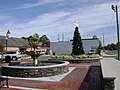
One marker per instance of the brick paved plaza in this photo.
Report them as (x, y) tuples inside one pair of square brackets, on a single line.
[(83, 77)]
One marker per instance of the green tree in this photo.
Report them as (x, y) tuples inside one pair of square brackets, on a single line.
[(44, 39), (77, 43), (24, 38), (111, 47), (34, 43)]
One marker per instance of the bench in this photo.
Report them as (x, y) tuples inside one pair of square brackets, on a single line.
[(109, 83), (4, 79), (108, 76)]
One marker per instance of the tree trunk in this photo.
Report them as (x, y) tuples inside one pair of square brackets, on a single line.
[(35, 62)]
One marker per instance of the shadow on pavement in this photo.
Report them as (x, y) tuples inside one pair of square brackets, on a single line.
[(93, 79)]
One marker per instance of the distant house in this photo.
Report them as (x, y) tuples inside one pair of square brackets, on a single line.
[(91, 44), (65, 47), (13, 43)]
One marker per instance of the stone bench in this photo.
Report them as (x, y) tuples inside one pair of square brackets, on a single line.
[(3, 79), (108, 77), (109, 83)]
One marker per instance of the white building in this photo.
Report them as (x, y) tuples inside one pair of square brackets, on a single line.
[(65, 47)]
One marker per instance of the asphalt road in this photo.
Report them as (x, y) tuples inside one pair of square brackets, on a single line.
[(114, 51)]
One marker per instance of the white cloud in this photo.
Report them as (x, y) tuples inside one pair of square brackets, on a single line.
[(38, 3), (94, 18), (51, 1), (44, 24), (49, 18), (110, 38), (3, 18), (90, 19)]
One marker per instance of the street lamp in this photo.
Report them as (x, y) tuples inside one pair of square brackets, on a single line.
[(7, 36), (115, 8)]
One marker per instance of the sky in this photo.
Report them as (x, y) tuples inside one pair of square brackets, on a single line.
[(52, 17)]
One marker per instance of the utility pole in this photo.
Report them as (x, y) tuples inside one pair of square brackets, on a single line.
[(115, 8), (103, 41), (68, 39), (62, 37)]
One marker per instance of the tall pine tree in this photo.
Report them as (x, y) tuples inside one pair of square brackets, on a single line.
[(77, 43)]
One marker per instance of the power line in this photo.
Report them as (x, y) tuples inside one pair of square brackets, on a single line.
[(118, 1), (113, 16), (98, 11), (111, 22)]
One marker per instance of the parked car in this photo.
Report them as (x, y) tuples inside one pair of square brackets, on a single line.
[(14, 55), (0, 56), (92, 51)]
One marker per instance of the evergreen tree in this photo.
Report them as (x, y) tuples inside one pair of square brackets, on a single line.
[(77, 43)]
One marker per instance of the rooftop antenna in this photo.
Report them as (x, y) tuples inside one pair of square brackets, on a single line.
[(68, 39), (62, 37), (58, 38)]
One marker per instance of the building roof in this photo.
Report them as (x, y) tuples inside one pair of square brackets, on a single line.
[(14, 42), (66, 46), (89, 39)]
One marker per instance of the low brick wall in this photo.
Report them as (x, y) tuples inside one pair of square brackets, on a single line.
[(84, 60), (37, 71)]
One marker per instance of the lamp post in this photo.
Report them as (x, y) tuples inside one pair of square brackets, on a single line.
[(6, 43), (115, 8), (7, 36)]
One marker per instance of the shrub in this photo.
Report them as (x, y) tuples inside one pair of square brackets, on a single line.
[(75, 56), (82, 56)]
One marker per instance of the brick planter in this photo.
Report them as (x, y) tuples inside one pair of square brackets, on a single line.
[(59, 67)]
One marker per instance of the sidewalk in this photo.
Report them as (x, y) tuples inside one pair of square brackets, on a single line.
[(111, 67)]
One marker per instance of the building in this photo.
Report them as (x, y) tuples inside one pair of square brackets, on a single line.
[(12, 43), (65, 47)]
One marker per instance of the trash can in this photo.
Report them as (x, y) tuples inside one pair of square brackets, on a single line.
[(7, 59)]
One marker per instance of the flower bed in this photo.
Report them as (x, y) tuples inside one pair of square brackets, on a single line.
[(77, 58)]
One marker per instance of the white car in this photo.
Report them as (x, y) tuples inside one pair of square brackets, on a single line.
[(14, 55), (92, 51), (0, 56)]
